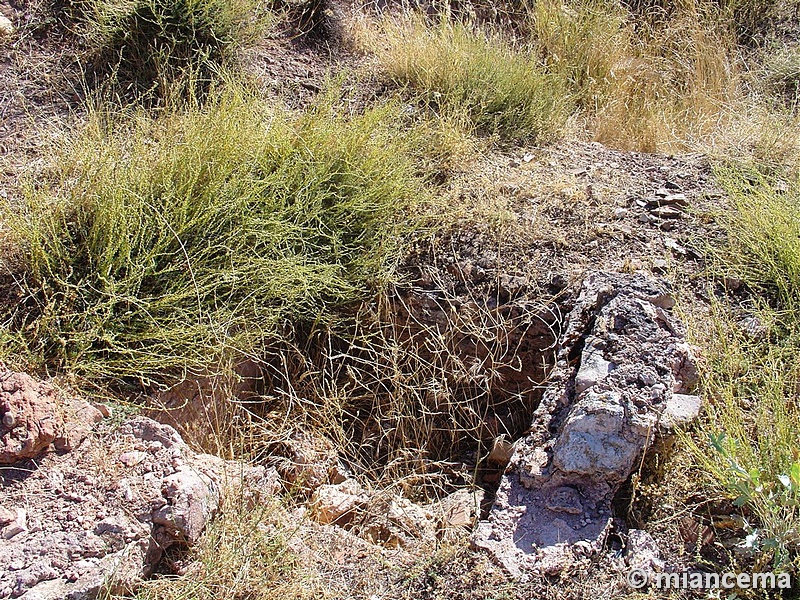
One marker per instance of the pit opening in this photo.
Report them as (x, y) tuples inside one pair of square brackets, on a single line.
[(413, 390)]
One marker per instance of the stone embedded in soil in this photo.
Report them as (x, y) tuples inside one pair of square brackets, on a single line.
[(93, 524), (194, 501), (19, 524), (598, 414), (459, 509), (666, 198), (667, 212), (33, 415), (310, 461), (642, 552), (30, 417), (132, 458), (680, 410), (396, 522), (335, 503), (6, 27)]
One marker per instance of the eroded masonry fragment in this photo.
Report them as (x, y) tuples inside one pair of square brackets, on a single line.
[(624, 373)]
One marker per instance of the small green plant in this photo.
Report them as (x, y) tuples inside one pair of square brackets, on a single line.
[(764, 234), (157, 49), (165, 245), (776, 503)]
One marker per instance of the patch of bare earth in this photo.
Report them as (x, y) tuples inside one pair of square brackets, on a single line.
[(41, 87)]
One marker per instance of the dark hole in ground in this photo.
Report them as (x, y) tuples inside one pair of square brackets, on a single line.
[(415, 387)]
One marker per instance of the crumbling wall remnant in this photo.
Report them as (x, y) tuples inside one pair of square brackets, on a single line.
[(624, 373)]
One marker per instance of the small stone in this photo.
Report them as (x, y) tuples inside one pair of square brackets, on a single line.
[(461, 508), (336, 503), (672, 244), (87, 413), (642, 552), (104, 409), (34, 409), (7, 516), (657, 391), (667, 212), (659, 265), (620, 213), (6, 27), (193, 501), (667, 226), (132, 458), (753, 328), (664, 197), (17, 526), (648, 377), (681, 409), (126, 491), (594, 368), (675, 200), (501, 452)]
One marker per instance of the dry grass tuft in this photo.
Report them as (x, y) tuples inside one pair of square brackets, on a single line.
[(459, 71)]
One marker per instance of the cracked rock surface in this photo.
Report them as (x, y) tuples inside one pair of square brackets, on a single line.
[(98, 515), (624, 373)]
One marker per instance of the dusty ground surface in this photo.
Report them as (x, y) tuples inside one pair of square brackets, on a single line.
[(529, 224), (40, 83)]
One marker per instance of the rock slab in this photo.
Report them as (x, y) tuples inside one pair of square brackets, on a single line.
[(624, 373)]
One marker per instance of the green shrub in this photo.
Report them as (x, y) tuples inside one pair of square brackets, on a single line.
[(764, 236), (159, 48), (460, 71), (167, 245)]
